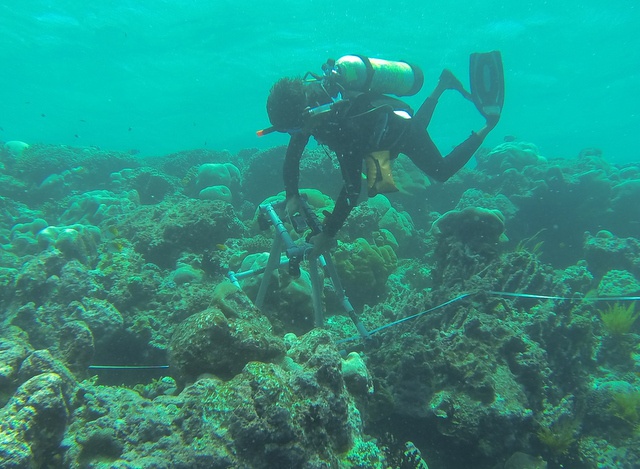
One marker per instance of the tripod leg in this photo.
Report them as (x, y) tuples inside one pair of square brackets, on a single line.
[(272, 264), (346, 304), (316, 292)]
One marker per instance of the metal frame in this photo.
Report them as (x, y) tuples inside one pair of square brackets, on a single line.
[(294, 254)]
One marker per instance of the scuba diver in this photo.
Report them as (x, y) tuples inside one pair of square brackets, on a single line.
[(348, 110)]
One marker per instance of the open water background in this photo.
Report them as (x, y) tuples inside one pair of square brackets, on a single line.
[(159, 76)]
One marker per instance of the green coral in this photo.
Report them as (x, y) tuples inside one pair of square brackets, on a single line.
[(364, 263), (364, 269), (618, 318), (364, 455)]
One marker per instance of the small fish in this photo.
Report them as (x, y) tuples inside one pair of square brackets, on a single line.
[(115, 246), (510, 138), (43, 115), (221, 247)]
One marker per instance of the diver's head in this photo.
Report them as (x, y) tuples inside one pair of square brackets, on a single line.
[(286, 104)]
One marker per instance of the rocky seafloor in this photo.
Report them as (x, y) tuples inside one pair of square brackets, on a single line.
[(113, 259)]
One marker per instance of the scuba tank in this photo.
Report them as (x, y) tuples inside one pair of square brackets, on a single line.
[(360, 73)]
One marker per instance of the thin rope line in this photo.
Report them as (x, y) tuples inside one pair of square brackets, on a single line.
[(493, 293), (128, 367)]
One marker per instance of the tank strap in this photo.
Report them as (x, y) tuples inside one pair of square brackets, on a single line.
[(370, 71)]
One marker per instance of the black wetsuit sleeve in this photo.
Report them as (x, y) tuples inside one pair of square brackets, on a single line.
[(348, 198), (291, 169), (336, 219)]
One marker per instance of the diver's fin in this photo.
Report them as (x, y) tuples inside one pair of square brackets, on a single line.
[(487, 82)]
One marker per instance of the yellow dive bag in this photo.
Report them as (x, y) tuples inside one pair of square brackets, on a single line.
[(379, 177)]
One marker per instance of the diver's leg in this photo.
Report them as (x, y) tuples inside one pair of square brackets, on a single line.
[(447, 81), (425, 154)]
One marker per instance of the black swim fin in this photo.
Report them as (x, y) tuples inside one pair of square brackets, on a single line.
[(486, 76)]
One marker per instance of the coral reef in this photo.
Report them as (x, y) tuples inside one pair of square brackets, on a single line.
[(161, 233), (295, 414), (486, 352), (222, 344), (364, 269), (467, 240)]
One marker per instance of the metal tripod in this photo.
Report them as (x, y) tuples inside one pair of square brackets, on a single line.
[(295, 253)]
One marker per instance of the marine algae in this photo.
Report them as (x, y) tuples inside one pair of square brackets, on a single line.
[(559, 436), (626, 406), (618, 319)]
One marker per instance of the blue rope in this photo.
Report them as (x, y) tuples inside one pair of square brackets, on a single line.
[(128, 367), (417, 315), (492, 293), (563, 298)]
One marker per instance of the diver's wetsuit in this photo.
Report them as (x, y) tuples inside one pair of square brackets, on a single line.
[(361, 124)]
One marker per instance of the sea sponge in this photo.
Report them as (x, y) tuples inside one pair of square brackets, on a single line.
[(364, 269), (15, 148), (291, 296), (618, 283), (186, 274), (218, 192), (217, 174), (380, 203), (385, 238), (625, 196), (319, 202), (75, 241), (23, 237), (211, 342), (356, 375), (399, 224), (95, 206), (471, 225), (516, 155)]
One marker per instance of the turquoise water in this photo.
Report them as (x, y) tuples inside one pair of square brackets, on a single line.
[(163, 76)]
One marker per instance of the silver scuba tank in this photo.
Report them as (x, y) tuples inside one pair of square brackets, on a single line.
[(360, 73)]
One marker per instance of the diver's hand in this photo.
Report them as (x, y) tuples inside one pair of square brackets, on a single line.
[(322, 242), (293, 206)]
